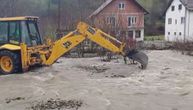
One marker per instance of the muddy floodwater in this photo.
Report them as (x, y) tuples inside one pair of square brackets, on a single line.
[(90, 84)]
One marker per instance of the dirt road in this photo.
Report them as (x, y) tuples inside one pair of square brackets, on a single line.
[(167, 84)]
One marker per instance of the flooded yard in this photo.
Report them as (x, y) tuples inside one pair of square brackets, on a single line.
[(90, 84)]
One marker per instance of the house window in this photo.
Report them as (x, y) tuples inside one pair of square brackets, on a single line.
[(111, 20), (121, 6), (180, 33), (132, 20), (130, 34), (182, 20), (169, 20), (180, 7), (138, 34), (173, 8)]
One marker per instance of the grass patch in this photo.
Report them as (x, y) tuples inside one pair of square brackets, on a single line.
[(154, 38)]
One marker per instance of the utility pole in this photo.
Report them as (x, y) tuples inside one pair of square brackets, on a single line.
[(49, 5), (58, 31), (59, 13), (80, 9), (81, 46)]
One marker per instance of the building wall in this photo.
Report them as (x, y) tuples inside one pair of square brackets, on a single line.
[(171, 29), (189, 25), (121, 16)]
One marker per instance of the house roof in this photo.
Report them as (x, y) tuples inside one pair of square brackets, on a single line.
[(187, 3), (110, 1)]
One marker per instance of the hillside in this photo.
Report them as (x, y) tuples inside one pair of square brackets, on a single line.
[(73, 11), (154, 22)]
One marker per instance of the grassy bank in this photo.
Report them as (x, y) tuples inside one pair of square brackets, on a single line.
[(154, 38)]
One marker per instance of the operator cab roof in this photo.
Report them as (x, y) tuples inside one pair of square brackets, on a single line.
[(22, 18)]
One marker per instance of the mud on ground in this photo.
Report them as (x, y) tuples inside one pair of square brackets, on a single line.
[(90, 84)]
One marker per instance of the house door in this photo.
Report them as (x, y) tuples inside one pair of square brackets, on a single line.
[(130, 41), (130, 34)]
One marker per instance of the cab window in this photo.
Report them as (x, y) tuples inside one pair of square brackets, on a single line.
[(25, 35), (14, 32), (3, 32), (34, 33)]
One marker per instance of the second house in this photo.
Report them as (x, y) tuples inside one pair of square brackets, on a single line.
[(121, 18)]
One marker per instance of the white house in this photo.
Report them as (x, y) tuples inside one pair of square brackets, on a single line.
[(179, 20)]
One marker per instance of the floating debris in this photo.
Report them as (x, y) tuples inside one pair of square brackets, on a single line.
[(14, 99), (57, 104), (94, 69)]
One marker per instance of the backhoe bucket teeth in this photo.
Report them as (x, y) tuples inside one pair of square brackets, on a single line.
[(140, 57)]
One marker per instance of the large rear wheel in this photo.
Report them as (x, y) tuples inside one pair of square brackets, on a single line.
[(10, 62), (140, 57)]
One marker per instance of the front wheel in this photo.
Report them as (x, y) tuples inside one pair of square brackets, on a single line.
[(10, 62)]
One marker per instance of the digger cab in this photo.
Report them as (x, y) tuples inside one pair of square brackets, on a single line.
[(16, 30)]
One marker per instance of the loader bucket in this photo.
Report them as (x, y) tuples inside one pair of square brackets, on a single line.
[(139, 57)]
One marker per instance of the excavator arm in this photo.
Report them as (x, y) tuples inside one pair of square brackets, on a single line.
[(84, 31), (64, 45), (101, 38), (112, 44)]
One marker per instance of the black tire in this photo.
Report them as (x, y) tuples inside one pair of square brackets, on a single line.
[(16, 61), (142, 58)]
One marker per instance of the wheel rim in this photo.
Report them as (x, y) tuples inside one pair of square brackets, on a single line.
[(6, 64)]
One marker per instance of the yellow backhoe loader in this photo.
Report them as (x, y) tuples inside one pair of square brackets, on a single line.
[(22, 47)]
